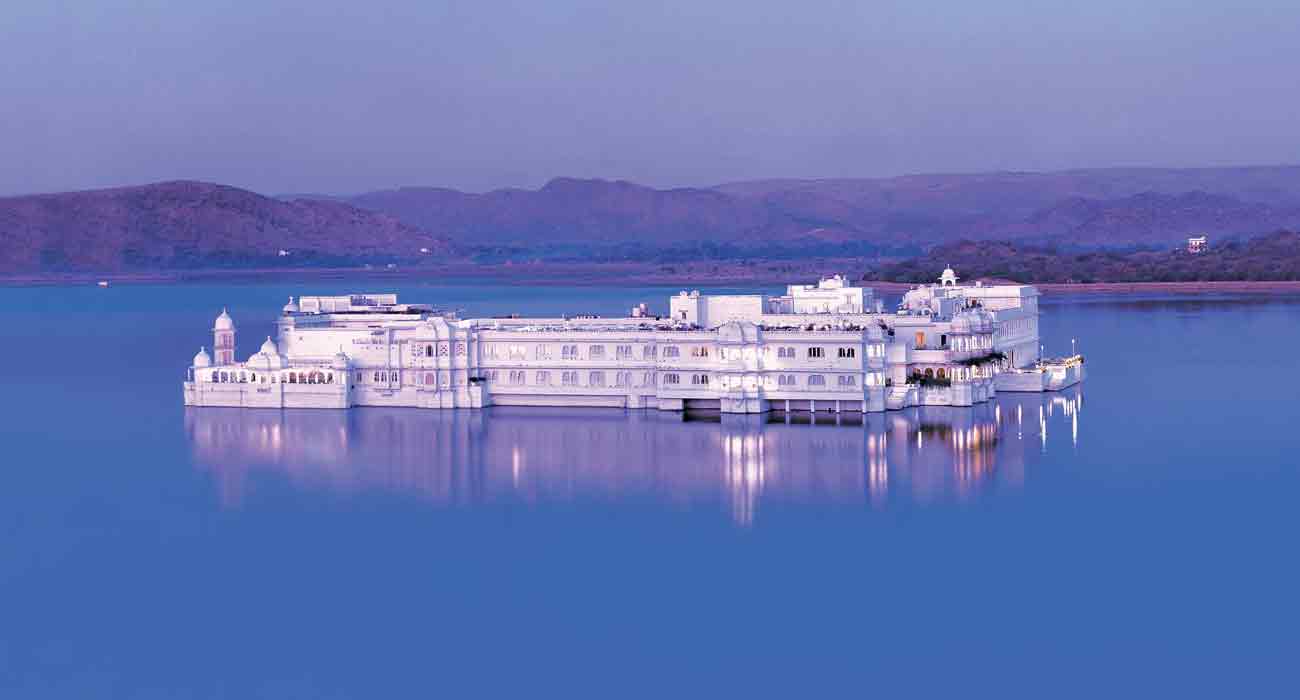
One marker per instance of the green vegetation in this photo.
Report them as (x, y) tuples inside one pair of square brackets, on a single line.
[(928, 381), (1273, 257)]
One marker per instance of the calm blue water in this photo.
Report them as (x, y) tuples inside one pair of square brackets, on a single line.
[(1134, 537)]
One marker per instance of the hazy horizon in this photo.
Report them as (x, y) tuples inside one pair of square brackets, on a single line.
[(288, 96)]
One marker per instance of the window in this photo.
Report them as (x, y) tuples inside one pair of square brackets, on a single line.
[(293, 377), (392, 376), (429, 379), (814, 353), (569, 352), (544, 378), (648, 379), (596, 378), (460, 348), (623, 379), (542, 352), (816, 380), (569, 378), (929, 372), (943, 341), (700, 379), (596, 352), (648, 352), (517, 377), (379, 377), (623, 352), (785, 380), (940, 373), (700, 351), (442, 349), (428, 351), (672, 378), (848, 353), (848, 380), (672, 351), (920, 339)]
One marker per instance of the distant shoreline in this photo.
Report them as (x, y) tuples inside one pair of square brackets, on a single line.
[(618, 274)]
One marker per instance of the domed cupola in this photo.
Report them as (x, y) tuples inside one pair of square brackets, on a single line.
[(202, 359), (268, 358), (224, 322), (948, 278), (291, 307), (340, 361)]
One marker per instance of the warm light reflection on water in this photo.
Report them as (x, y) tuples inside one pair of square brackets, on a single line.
[(740, 463)]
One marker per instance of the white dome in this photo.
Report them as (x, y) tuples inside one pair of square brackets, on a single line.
[(202, 359), (341, 361), (268, 358), (291, 307), (224, 322)]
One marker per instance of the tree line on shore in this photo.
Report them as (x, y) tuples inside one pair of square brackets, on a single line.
[(1271, 257)]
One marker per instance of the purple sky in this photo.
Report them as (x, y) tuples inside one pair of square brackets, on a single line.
[(333, 96)]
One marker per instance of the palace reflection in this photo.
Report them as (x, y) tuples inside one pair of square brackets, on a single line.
[(739, 463)]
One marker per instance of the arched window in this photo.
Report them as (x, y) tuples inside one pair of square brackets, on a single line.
[(940, 374), (379, 377), (929, 373), (329, 378), (392, 376), (293, 377), (816, 380)]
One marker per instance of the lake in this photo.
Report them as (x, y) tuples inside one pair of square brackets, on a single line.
[(1133, 536)]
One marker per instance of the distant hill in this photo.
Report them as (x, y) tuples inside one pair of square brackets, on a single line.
[(194, 224), (1109, 207), (1271, 257)]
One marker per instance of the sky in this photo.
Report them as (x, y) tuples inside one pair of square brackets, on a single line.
[(328, 96)]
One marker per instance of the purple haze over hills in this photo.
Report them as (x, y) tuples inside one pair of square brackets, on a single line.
[(1099, 207), (198, 224)]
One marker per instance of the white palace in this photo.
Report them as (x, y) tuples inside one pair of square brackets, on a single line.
[(824, 347)]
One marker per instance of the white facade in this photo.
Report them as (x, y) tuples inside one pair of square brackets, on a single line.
[(817, 348)]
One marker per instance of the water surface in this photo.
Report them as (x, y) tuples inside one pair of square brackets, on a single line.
[(1132, 536)]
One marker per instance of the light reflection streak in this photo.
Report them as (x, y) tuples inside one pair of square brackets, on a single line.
[(744, 464)]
